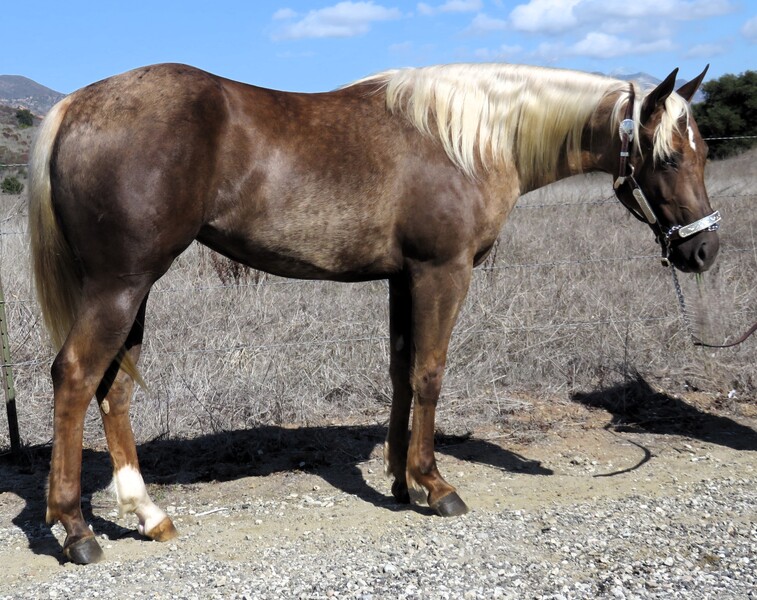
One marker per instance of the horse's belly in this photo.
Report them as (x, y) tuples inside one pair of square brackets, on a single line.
[(341, 253)]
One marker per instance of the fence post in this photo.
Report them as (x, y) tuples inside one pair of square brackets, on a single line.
[(7, 378)]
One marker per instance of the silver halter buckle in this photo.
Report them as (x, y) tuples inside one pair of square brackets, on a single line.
[(626, 128)]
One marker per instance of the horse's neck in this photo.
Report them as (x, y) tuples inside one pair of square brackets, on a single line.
[(599, 150)]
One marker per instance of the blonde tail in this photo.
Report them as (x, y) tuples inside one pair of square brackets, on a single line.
[(56, 278)]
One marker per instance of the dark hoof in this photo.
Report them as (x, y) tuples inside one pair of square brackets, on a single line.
[(400, 493), (450, 505), (84, 552)]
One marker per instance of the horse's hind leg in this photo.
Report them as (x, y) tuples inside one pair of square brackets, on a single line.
[(114, 397), (104, 320)]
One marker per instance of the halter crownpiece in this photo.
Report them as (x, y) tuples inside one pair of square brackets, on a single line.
[(626, 175)]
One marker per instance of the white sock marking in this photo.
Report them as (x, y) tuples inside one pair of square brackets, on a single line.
[(132, 496)]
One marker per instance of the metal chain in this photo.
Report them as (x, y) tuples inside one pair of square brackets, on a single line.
[(682, 305)]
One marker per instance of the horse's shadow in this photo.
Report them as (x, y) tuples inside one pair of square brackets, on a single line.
[(636, 407), (333, 453)]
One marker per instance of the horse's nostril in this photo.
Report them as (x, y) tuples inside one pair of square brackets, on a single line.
[(702, 254), (705, 254)]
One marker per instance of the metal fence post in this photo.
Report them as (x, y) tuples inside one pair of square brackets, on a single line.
[(7, 379)]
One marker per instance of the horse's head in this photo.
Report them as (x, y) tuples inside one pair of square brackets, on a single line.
[(662, 179)]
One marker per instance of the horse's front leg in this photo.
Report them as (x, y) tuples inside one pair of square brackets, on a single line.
[(114, 396), (400, 362), (437, 296)]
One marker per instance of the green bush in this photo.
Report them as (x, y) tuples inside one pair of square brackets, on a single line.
[(11, 185), (25, 117)]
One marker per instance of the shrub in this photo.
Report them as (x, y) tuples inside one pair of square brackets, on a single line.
[(11, 185), (25, 117), (730, 110)]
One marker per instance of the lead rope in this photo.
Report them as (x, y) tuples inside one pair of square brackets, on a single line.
[(690, 328)]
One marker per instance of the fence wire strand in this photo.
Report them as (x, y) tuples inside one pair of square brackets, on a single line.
[(384, 339)]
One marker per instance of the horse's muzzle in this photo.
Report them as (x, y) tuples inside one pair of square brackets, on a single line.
[(696, 254)]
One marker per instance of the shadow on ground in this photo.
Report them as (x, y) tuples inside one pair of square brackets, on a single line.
[(636, 407), (331, 452)]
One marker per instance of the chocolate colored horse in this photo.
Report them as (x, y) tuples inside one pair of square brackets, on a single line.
[(407, 175)]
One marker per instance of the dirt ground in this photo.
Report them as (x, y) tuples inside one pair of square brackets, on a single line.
[(274, 482)]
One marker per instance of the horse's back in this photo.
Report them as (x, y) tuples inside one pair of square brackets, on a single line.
[(303, 185)]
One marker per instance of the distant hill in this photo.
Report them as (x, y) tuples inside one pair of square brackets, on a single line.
[(645, 80), (20, 92)]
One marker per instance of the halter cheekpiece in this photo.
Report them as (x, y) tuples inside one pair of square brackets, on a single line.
[(645, 212)]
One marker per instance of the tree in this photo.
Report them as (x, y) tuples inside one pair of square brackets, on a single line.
[(729, 110), (25, 117)]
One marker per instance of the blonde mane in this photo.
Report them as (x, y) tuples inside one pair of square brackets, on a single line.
[(487, 115)]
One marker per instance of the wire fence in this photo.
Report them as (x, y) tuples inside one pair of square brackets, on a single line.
[(749, 197), (557, 326)]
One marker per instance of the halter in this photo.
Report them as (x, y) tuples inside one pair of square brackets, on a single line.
[(647, 214)]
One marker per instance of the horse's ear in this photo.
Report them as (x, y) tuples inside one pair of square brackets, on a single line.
[(687, 90), (657, 96)]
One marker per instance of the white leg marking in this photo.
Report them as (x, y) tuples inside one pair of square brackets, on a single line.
[(132, 496), (692, 143)]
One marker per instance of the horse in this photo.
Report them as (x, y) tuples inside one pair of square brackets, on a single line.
[(407, 175)]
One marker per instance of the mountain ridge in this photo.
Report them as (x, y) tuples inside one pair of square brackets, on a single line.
[(18, 91)]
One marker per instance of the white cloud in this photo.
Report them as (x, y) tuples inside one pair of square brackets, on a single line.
[(704, 51), (549, 52), (284, 13), (482, 24), (749, 30), (554, 16), (461, 6), (544, 16), (345, 19), (451, 6), (680, 10), (603, 45), (701, 9)]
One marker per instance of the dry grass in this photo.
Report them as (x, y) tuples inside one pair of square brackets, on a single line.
[(561, 310)]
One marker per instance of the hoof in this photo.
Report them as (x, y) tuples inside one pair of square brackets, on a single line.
[(85, 551), (163, 531), (400, 493), (450, 505)]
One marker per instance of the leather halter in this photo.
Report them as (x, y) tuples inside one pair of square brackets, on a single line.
[(645, 212)]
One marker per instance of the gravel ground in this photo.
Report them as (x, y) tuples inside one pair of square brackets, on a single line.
[(677, 518)]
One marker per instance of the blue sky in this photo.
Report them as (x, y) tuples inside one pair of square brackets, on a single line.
[(315, 46)]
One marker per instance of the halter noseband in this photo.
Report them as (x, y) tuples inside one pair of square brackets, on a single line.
[(647, 214)]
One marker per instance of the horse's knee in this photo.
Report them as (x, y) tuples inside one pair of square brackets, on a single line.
[(427, 383)]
